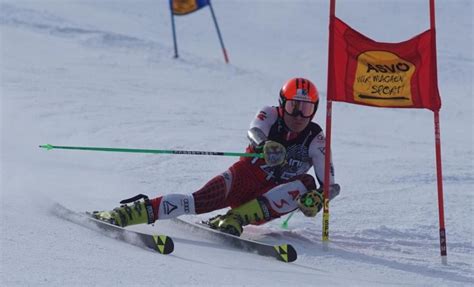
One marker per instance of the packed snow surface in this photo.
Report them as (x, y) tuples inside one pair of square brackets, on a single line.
[(102, 73)]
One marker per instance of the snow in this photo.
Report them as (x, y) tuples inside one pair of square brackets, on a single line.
[(101, 73)]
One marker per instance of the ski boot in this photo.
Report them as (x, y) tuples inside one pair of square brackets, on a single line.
[(252, 212), (139, 212)]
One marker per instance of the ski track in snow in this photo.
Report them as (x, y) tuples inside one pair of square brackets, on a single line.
[(96, 83)]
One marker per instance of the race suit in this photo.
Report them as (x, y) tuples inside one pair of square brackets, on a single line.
[(251, 178)]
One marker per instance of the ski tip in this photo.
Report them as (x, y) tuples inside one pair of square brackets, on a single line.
[(163, 244), (286, 253)]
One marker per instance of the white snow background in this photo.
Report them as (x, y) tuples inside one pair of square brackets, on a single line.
[(102, 73)]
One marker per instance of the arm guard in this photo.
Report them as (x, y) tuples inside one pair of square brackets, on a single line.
[(257, 137)]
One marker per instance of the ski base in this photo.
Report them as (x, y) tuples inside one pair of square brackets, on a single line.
[(283, 252)]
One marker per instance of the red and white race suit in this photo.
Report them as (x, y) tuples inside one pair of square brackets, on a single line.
[(251, 178)]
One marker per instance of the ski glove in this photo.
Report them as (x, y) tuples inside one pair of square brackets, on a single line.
[(310, 203), (274, 153)]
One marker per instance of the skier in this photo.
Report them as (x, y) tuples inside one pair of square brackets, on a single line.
[(257, 189)]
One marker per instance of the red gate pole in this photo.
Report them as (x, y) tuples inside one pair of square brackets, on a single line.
[(327, 162), (439, 173)]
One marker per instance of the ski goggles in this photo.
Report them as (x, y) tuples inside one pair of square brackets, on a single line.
[(303, 109)]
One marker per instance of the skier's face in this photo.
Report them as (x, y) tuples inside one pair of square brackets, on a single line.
[(296, 123), (298, 114)]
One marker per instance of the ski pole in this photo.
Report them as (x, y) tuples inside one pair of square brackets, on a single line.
[(284, 225), (155, 151)]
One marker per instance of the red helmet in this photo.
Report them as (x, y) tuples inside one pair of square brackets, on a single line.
[(299, 90)]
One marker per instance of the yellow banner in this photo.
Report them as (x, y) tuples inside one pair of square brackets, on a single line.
[(383, 79)]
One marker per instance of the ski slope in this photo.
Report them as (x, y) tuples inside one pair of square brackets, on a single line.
[(101, 73)]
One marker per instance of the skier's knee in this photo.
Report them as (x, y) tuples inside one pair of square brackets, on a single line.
[(307, 180)]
